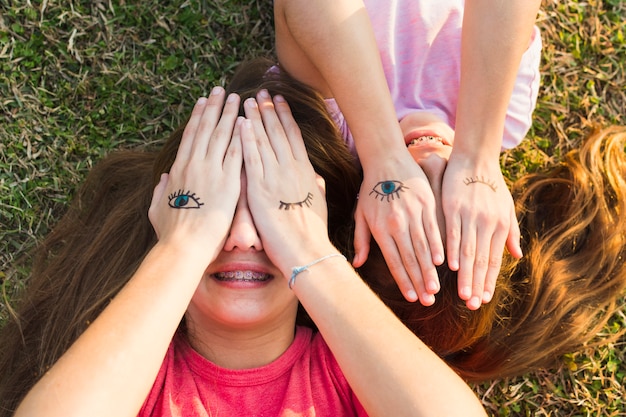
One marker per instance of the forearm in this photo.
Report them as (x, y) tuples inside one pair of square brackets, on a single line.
[(336, 38), (389, 368), (110, 369), (495, 35)]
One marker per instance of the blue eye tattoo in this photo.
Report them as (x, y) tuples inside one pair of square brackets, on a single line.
[(306, 201), (184, 200), (389, 189), (481, 180)]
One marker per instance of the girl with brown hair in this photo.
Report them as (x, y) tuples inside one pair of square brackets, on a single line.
[(198, 316)]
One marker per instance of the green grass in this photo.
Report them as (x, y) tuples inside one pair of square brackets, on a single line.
[(81, 78)]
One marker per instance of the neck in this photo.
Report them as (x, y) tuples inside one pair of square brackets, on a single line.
[(242, 348)]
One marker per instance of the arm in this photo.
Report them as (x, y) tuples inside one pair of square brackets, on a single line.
[(480, 217), (110, 369), (389, 368), (330, 45)]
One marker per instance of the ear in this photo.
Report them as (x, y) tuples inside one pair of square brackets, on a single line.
[(321, 184)]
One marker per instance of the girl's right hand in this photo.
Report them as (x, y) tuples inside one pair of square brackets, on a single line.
[(195, 203)]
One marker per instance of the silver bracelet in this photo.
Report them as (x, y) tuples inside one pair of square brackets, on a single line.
[(297, 269)]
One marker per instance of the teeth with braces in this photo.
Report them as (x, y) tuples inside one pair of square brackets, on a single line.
[(242, 275), (427, 138)]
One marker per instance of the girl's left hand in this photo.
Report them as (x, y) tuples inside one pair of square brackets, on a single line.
[(480, 219), (285, 196)]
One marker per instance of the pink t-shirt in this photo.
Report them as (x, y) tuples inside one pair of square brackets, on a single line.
[(420, 48), (304, 381)]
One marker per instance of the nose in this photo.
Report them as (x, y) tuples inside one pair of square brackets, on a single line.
[(243, 234)]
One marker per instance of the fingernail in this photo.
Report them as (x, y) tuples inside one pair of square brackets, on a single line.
[(474, 303), (465, 293), (231, 97), (217, 90), (438, 260), (411, 295), (428, 299), (279, 99), (251, 102), (486, 297), (201, 101), (432, 287), (264, 94)]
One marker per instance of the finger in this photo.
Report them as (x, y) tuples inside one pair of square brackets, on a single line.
[(396, 267), (466, 261), (217, 138), (157, 195), (453, 240), (273, 127), (480, 268), (291, 128), (418, 264), (186, 142), (427, 277), (362, 237), (251, 155), (233, 159), (263, 146), (209, 118), (513, 242), (433, 236), (495, 262)]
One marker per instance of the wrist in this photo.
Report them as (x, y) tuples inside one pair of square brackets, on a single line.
[(478, 141), (303, 257), (381, 148), (389, 164), (196, 254), (474, 160)]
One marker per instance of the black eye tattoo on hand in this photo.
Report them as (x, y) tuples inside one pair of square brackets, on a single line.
[(306, 201), (389, 190), (481, 180), (184, 200)]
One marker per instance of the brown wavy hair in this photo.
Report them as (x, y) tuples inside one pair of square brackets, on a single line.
[(561, 294), (552, 301)]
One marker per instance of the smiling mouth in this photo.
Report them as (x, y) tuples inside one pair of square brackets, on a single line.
[(242, 276), (426, 139)]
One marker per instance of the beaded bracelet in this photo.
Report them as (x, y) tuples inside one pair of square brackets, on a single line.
[(297, 269)]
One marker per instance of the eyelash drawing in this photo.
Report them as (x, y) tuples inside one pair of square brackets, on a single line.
[(184, 200), (481, 180), (389, 189), (306, 201)]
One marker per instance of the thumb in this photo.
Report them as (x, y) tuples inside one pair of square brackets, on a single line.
[(513, 239), (157, 194), (362, 237)]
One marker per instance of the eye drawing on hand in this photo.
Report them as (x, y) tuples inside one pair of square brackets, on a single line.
[(306, 201), (184, 200), (389, 189), (481, 180)]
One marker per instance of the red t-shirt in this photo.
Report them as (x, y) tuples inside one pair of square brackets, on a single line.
[(304, 381)]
